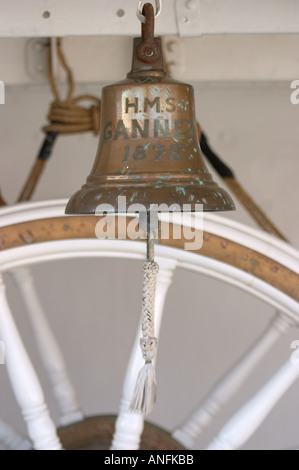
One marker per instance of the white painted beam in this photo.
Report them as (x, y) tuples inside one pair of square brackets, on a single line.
[(43, 18), (30, 18), (197, 17), (228, 58)]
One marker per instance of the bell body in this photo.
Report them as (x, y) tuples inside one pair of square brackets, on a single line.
[(149, 150)]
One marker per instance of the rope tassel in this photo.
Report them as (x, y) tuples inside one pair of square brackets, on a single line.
[(145, 392)]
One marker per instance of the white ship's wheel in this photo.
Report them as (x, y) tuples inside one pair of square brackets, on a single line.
[(267, 268)]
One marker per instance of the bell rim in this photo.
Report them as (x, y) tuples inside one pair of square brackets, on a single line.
[(87, 200)]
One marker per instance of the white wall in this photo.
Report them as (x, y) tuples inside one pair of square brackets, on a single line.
[(93, 306)]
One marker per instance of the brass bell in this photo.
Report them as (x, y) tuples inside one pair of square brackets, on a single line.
[(149, 150)]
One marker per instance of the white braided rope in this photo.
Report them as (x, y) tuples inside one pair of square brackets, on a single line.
[(149, 342), (145, 391)]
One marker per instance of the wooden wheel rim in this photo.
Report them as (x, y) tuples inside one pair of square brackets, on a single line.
[(96, 433), (250, 259), (219, 248)]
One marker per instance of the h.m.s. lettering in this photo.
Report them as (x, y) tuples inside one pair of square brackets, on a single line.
[(156, 128)]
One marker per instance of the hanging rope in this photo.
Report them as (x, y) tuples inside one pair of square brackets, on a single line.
[(145, 392), (68, 116), (2, 202), (235, 186)]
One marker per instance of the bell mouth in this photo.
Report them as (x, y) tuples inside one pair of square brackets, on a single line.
[(93, 199)]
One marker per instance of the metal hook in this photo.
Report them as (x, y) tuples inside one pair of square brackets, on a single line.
[(141, 4), (149, 51)]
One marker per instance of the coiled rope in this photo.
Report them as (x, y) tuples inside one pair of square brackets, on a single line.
[(68, 116)]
